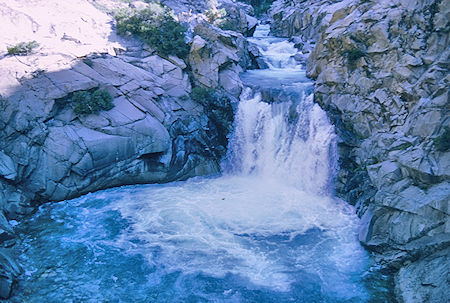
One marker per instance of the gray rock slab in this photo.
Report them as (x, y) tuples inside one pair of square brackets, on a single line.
[(7, 167)]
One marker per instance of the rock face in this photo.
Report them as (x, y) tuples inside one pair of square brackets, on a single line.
[(217, 58), (154, 133), (382, 73), (424, 280), (229, 14)]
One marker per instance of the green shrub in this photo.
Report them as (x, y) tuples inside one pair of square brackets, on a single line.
[(155, 26), (442, 142), (354, 55), (214, 14), (22, 48), (86, 102), (202, 95), (218, 18)]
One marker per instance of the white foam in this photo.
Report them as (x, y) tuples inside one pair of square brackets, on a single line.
[(291, 141), (278, 55), (262, 30), (213, 226)]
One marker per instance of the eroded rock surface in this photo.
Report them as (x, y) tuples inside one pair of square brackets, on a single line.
[(154, 133), (382, 73)]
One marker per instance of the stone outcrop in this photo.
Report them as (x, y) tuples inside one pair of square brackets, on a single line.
[(154, 133), (217, 57), (228, 14), (382, 73), (240, 17)]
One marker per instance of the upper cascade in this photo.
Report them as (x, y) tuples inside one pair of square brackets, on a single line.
[(278, 53)]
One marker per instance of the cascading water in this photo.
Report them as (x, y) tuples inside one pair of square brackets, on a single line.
[(290, 139), (267, 230)]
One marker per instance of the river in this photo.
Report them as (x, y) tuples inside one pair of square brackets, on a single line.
[(268, 229)]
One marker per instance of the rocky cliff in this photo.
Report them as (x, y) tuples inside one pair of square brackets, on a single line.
[(154, 133), (382, 74)]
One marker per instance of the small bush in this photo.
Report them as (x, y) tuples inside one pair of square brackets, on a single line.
[(442, 142), (86, 102), (155, 26), (202, 95), (218, 18), (22, 48), (354, 54), (214, 14)]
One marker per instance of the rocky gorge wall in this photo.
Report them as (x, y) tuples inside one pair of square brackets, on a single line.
[(154, 133), (381, 70), (382, 74)]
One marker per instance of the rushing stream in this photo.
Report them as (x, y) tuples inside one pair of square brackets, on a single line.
[(267, 230)]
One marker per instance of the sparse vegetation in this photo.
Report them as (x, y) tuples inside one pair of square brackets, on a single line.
[(91, 102), (442, 142), (202, 95), (213, 14), (353, 55), (22, 48), (155, 26), (218, 18), (214, 101), (218, 108)]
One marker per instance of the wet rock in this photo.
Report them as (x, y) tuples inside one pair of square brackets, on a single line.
[(257, 62), (7, 234), (9, 269), (17, 203)]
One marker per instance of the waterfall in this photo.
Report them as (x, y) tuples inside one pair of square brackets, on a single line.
[(289, 139)]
